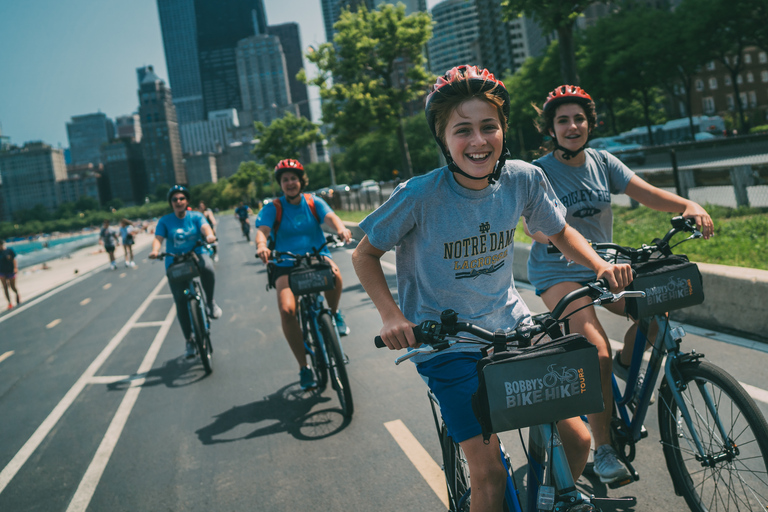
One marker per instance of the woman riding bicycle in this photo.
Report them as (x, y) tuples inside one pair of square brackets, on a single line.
[(181, 230), (453, 231), (299, 231), (584, 180)]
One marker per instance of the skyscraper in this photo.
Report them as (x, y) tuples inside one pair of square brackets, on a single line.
[(263, 80), (290, 40), (179, 27), (454, 36), (86, 134), (200, 37), (161, 143)]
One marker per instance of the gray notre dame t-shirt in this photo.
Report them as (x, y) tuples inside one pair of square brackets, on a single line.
[(585, 191), (454, 246)]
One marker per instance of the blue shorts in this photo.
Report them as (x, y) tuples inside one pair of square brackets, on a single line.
[(7, 275), (453, 379)]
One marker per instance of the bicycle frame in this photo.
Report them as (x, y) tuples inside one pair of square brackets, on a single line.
[(312, 305), (667, 342)]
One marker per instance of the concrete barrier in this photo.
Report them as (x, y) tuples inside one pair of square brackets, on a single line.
[(735, 297)]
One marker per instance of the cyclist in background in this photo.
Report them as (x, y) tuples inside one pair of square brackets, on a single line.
[(584, 180), (211, 218), (453, 232), (298, 232), (181, 231), (241, 213)]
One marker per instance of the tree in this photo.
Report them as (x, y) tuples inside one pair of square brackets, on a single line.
[(727, 23), (554, 15), (373, 68), (284, 138)]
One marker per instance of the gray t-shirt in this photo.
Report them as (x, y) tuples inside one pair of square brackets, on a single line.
[(454, 246), (585, 191)]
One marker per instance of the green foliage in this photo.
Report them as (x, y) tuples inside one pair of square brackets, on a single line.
[(356, 72), (284, 138), (375, 155)]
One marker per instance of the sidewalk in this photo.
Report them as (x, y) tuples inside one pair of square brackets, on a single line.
[(36, 280)]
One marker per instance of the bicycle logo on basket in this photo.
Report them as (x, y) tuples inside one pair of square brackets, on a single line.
[(552, 378)]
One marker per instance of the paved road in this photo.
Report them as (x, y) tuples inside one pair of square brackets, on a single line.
[(100, 412)]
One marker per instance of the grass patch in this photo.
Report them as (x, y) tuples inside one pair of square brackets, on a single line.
[(353, 216)]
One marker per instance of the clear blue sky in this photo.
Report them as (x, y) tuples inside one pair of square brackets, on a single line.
[(64, 58)]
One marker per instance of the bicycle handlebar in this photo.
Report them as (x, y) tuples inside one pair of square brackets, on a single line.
[(330, 241), (432, 335), (199, 243)]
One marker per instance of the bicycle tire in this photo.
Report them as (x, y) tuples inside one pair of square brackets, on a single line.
[(337, 367), (201, 337), (456, 473), (740, 480), (313, 341)]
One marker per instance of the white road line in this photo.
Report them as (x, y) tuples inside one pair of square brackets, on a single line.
[(756, 393), (6, 355), (108, 379), (419, 457), (85, 301), (149, 324), (13, 467), (164, 296), (87, 487), (53, 324), (27, 305)]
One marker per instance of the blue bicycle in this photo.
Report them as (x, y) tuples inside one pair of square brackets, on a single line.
[(311, 276), (550, 483), (185, 270)]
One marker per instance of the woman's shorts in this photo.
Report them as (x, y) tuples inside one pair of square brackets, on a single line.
[(453, 379), (6, 275)]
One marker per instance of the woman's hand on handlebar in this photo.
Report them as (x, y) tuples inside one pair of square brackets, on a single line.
[(618, 276), (397, 333), (702, 219), (345, 235), (263, 253)]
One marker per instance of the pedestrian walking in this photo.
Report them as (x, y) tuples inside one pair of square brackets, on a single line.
[(109, 239), (127, 232), (9, 267)]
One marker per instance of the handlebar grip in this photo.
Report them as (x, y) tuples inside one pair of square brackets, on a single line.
[(379, 342), (416, 332)]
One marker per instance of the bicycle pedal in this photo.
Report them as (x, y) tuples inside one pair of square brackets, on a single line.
[(621, 483), (623, 501), (643, 432)]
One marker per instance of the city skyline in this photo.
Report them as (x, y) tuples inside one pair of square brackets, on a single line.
[(61, 62)]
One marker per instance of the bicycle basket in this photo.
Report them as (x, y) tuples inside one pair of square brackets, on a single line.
[(317, 277), (537, 385), (182, 271), (669, 283)]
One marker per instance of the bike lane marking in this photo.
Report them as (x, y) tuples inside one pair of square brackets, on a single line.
[(424, 463), (26, 451), (87, 487), (6, 355)]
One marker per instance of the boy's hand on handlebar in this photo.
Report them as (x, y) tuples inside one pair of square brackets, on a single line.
[(210, 239), (702, 219), (398, 333), (153, 255), (345, 235), (618, 276)]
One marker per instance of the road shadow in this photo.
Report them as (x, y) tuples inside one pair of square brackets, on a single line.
[(175, 373), (291, 409)]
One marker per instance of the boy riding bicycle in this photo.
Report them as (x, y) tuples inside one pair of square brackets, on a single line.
[(453, 230)]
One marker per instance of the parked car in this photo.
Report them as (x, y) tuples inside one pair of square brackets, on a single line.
[(369, 187), (627, 152)]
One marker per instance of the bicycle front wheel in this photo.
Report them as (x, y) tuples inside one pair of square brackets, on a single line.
[(312, 342), (456, 473), (733, 474), (201, 335), (337, 366)]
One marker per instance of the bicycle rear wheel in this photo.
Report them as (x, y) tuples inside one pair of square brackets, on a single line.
[(337, 367), (202, 339), (735, 474)]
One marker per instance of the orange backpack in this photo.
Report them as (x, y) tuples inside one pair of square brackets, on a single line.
[(279, 216)]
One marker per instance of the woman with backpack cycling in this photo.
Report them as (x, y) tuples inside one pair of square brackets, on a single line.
[(453, 230), (584, 180), (294, 225)]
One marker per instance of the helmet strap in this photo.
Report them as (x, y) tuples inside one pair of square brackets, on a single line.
[(567, 153), (492, 177)]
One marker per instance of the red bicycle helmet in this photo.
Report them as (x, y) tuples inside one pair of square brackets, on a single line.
[(288, 164), (466, 81), (566, 94)]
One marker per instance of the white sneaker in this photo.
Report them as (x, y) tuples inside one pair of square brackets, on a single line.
[(127, 264), (215, 311), (216, 259), (607, 465), (133, 263)]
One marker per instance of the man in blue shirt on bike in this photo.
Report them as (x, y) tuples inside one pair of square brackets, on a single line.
[(241, 213), (181, 230)]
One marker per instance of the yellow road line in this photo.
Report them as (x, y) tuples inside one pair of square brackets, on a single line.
[(6, 355), (85, 301), (419, 457), (53, 324)]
